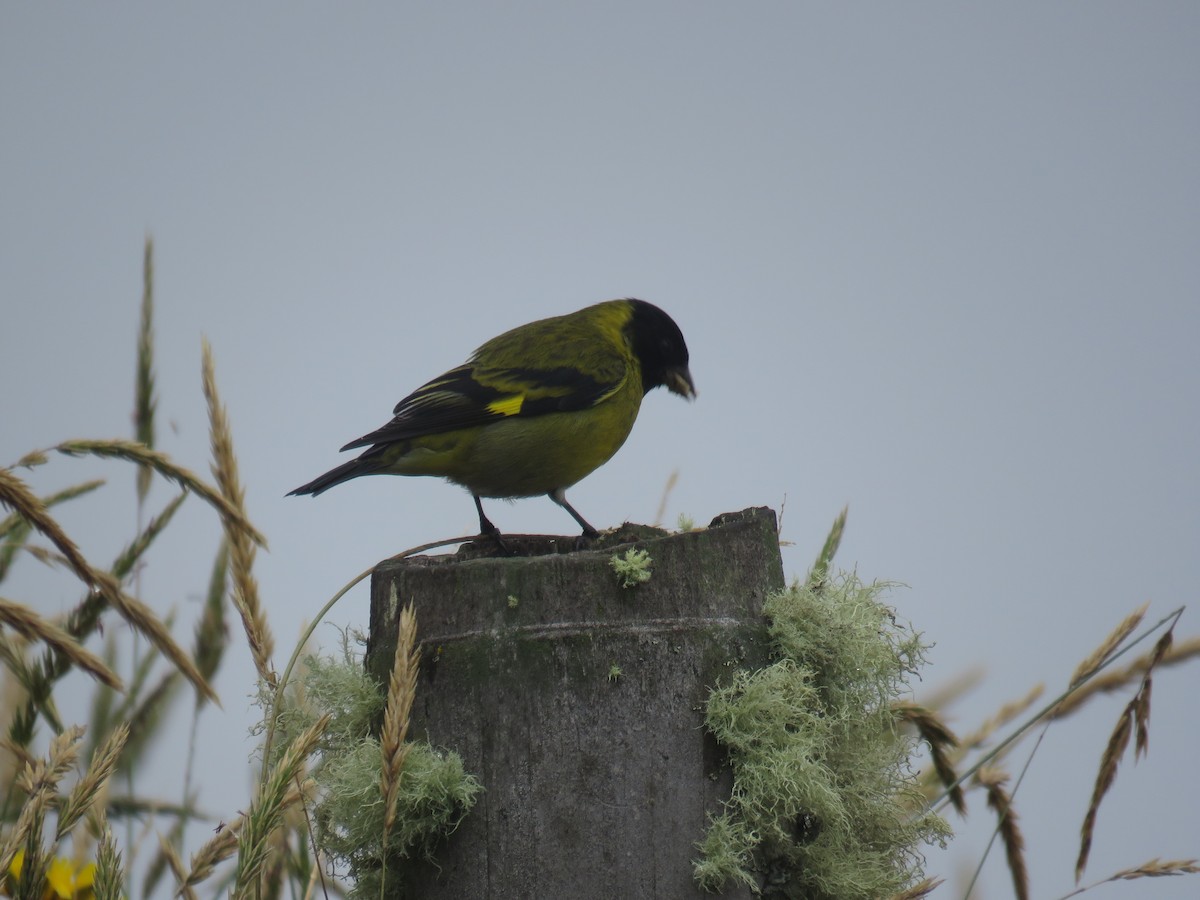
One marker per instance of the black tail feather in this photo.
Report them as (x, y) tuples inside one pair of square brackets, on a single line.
[(344, 472)]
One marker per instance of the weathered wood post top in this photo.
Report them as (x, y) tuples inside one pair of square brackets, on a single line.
[(578, 702)]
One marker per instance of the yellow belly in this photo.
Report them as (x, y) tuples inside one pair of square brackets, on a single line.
[(524, 457)]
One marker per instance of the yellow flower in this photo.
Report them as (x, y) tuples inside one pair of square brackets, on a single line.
[(63, 880), (60, 879), (84, 879)]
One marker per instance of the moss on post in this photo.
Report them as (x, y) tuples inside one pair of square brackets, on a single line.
[(824, 805), (660, 718)]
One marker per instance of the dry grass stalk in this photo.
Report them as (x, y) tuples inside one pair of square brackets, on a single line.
[(39, 782), (83, 797), (36, 680), (47, 557), (15, 494), (129, 557), (1108, 682), (159, 864), (241, 541), (297, 792), (1141, 702), (144, 403), (672, 480), (171, 855), (948, 692), (152, 707), (1135, 720), (30, 625), (1155, 868), (215, 851), (942, 742), (17, 756), (110, 876), (1100, 655), (316, 877), (134, 452), (31, 459), (281, 857), (820, 567), (266, 811), (1005, 714), (922, 888), (14, 654), (402, 688), (141, 617), (29, 820), (15, 529), (61, 759), (1113, 751), (14, 521), (212, 635), (224, 843), (999, 800)]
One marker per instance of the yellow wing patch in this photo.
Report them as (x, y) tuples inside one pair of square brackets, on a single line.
[(507, 406)]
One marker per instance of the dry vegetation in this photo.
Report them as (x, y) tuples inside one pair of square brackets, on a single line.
[(54, 804), (973, 763), (58, 811)]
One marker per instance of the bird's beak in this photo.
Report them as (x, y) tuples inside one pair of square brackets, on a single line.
[(679, 381)]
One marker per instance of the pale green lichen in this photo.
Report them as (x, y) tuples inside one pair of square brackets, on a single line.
[(633, 568), (823, 798), (513, 601), (434, 795), (614, 672), (434, 790)]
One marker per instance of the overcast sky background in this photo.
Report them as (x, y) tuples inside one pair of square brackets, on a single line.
[(936, 262)]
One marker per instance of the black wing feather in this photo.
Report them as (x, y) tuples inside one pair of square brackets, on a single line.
[(473, 395)]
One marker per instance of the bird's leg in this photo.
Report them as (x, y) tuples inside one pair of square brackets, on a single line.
[(487, 528), (559, 496)]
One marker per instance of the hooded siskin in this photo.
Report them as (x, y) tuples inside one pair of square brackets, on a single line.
[(534, 410)]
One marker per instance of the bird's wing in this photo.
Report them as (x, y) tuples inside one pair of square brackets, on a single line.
[(475, 394)]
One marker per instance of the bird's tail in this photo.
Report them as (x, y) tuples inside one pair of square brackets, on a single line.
[(344, 472)]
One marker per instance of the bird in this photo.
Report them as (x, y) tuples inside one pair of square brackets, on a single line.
[(532, 411)]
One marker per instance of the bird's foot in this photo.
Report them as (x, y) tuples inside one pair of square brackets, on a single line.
[(487, 529), (496, 538), (587, 539)]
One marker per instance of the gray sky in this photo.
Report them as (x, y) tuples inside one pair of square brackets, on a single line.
[(939, 263)]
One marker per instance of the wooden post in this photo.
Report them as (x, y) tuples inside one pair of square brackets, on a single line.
[(579, 705)]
